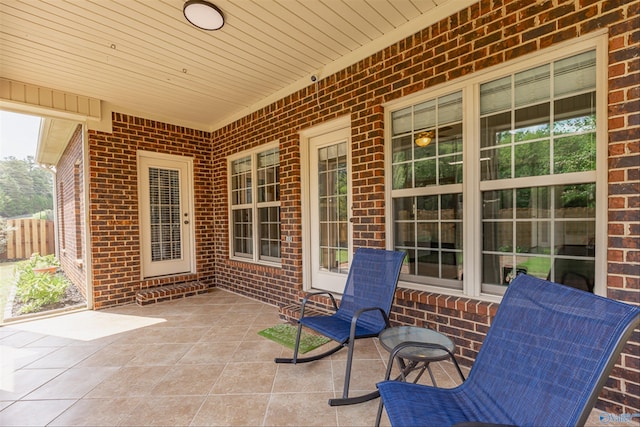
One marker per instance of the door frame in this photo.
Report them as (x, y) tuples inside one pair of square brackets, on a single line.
[(340, 123), (180, 162)]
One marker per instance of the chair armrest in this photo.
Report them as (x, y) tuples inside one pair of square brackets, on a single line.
[(357, 314), (311, 294)]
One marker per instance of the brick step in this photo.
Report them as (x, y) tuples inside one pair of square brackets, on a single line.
[(291, 312), (170, 292)]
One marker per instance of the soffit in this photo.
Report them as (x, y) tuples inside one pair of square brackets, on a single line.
[(142, 57)]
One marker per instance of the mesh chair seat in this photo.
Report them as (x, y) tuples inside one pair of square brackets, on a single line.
[(337, 329), (547, 355)]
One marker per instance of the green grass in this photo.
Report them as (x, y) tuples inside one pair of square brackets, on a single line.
[(537, 266), (285, 334), (7, 280)]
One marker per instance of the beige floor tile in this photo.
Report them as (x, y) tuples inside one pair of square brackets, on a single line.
[(64, 357), (55, 341), (365, 373), (362, 414), (232, 410), (97, 412), (72, 384), (33, 412), (130, 381), (263, 350), (187, 380), (14, 385), (166, 335), (113, 355), (164, 411), (246, 377), (210, 352), (159, 354), (225, 332), (364, 348), (304, 377), (21, 338), (245, 319), (204, 320), (267, 317), (14, 358), (300, 409)]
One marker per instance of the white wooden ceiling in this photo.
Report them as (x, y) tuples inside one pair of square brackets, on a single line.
[(143, 57)]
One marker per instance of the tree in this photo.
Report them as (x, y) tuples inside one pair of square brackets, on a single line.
[(25, 188)]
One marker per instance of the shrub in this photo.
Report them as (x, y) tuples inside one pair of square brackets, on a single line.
[(36, 290)]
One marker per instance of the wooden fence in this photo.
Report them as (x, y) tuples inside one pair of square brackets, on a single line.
[(26, 236)]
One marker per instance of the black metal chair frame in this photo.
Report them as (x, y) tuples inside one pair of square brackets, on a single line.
[(358, 312), (345, 400)]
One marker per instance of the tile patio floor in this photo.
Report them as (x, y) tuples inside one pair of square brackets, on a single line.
[(192, 362)]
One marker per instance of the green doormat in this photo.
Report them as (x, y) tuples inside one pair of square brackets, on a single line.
[(285, 334)]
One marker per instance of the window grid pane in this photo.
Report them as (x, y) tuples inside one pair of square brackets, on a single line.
[(268, 176), (332, 203), (429, 230), (242, 233), (241, 181), (249, 236), (532, 127), (269, 232), (440, 161), (547, 232)]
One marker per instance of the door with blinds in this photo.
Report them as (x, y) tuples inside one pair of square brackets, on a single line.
[(166, 223)]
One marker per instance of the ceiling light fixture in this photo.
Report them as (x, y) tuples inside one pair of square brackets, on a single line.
[(424, 138), (203, 15)]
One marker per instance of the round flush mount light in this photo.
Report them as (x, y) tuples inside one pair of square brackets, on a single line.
[(203, 15)]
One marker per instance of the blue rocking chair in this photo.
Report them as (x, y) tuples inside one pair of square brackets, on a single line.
[(363, 312), (547, 355)]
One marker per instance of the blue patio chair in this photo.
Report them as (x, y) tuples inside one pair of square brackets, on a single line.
[(363, 312), (547, 355)]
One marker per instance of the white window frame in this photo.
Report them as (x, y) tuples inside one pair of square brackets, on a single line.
[(473, 187), (254, 206)]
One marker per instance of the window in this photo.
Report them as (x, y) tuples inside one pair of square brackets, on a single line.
[(539, 123), (255, 206), (427, 189), (525, 143)]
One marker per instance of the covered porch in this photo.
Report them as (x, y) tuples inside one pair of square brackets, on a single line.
[(197, 361)]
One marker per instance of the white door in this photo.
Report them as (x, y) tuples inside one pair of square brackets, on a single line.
[(166, 223), (330, 209)]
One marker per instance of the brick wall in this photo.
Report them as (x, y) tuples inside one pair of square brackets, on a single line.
[(481, 36), (71, 211), (113, 210)]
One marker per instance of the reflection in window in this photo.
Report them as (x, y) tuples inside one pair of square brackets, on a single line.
[(534, 141), (539, 123), (333, 209), (427, 219), (532, 127), (438, 163), (429, 230), (541, 231)]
